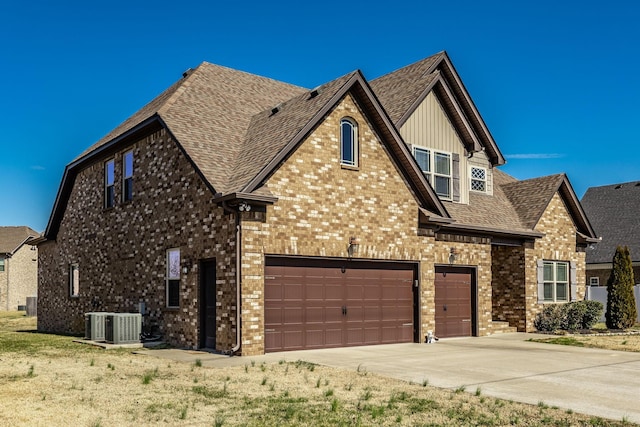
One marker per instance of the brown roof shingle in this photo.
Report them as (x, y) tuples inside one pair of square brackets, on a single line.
[(11, 238), (532, 196), (399, 90)]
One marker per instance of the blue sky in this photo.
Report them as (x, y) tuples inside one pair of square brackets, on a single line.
[(555, 81)]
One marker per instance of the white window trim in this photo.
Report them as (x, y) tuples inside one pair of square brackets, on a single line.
[(354, 143), (471, 179), (431, 175), (555, 282), (172, 273), (593, 282), (3, 263)]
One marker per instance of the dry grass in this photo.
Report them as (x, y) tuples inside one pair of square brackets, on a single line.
[(609, 342), (48, 380)]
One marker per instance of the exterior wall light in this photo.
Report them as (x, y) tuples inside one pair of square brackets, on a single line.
[(352, 249), (453, 255)]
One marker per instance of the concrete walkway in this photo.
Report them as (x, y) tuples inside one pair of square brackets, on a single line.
[(604, 383)]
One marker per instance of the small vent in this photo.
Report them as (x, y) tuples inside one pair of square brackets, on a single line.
[(637, 184), (314, 92), (186, 73), (275, 109), (618, 187)]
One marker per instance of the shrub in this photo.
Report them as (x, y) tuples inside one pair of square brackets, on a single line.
[(549, 319), (572, 316), (621, 304), (592, 313)]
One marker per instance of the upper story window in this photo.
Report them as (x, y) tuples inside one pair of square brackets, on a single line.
[(556, 281), (127, 176), (594, 281), (348, 142), (437, 168), (478, 179), (109, 181), (1, 263)]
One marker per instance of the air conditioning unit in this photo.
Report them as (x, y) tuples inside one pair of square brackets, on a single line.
[(123, 328), (94, 326)]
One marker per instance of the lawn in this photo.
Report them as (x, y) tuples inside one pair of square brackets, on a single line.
[(600, 339), (49, 380)]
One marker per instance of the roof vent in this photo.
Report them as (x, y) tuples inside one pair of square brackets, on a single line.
[(314, 92), (618, 187), (638, 184), (186, 73), (276, 109)]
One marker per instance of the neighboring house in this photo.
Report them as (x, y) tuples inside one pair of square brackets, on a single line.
[(251, 215), (18, 267), (614, 213)]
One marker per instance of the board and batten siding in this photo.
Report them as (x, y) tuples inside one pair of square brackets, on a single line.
[(429, 127)]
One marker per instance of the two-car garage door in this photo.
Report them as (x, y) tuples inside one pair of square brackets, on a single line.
[(313, 303)]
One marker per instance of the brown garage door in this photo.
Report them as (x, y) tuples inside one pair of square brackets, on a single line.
[(454, 302), (325, 303)]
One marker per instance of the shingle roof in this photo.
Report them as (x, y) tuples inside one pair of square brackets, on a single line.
[(209, 111), (236, 127), (270, 131), (614, 213), (497, 211), (532, 196), (11, 238), (400, 89)]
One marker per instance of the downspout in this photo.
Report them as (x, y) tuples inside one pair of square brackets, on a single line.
[(236, 213), (238, 293)]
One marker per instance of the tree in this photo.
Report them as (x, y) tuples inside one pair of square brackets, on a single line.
[(621, 304)]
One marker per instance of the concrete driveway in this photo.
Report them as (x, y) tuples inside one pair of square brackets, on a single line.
[(590, 381)]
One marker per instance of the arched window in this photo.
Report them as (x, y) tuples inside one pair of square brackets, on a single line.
[(348, 142)]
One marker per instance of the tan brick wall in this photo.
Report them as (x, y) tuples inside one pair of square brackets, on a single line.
[(121, 251), (558, 244), (321, 205), (20, 278)]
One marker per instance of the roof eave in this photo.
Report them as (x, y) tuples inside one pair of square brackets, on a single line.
[(247, 197), (357, 80)]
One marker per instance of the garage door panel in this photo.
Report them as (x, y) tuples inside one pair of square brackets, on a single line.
[(326, 307), (293, 316)]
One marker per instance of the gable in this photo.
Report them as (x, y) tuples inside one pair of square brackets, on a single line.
[(318, 194), (430, 127)]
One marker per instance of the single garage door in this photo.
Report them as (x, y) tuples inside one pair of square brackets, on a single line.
[(327, 303), (454, 302)]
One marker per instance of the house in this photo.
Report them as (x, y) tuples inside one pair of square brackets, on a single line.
[(248, 215), (18, 267), (613, 211)]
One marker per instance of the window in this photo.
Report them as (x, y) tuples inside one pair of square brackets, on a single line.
[(127, 176), (109, 180), (594, 281), (1, 264), (348, 142), (423, 157), (478, 179), (173, 278), (556, 281), (74, 280), (439, 176)]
